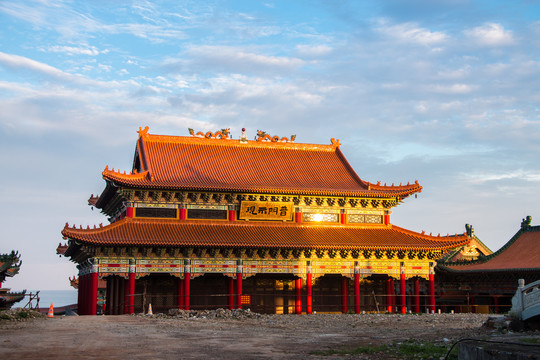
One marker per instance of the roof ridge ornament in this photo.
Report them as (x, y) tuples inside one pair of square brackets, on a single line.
[(263, 136), (143, 132), (335, 142), (525, 223), (222, 134)]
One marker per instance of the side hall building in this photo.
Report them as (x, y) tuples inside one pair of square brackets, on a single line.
[(207, 221)]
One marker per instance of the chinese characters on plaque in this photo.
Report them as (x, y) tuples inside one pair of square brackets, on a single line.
[(262, 210)]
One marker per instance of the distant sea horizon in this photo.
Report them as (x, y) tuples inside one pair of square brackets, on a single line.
[(47, 297)]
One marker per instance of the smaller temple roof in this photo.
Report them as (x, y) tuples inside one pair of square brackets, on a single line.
[(9, 265), (521, 253), (252, 234), (212, 163)]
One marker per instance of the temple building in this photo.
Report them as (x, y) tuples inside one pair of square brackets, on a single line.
[(9, 267), (207, 221), (488, 283)]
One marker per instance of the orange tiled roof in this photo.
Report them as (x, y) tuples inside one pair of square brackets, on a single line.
[(189, 162), (520, 253), (151, 232)]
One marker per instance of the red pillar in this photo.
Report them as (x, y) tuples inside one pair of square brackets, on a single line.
[(309, 292), (79, 295), (129, 212), (83, 294), (232, 215), (180, 294), (393, 294), (131, 288), (87, 294), (126, 296), (416, 295), (239, 290), (402, 289), (298, 299), (388, 296), (298, 217), (432, 292), (356, 292), (183, 214), (496, 304), (344, 305), (230, 281), (343, 218), (187, 279), (92, 306)]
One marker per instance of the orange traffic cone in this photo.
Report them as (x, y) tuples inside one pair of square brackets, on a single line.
[(50, 314), (150, 310)]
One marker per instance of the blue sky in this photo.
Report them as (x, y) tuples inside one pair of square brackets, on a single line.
[(444, 92)]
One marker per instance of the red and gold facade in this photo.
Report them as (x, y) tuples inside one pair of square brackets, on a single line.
[(209, 221)]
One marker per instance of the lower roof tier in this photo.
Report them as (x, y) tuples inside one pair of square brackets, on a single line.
[(237, 234)]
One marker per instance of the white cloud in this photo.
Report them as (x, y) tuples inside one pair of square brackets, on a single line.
[(313, 50), (75, 50), (239, 60), (411, 32), (453, 89), (21, 62), (490, 34), (484, 177)]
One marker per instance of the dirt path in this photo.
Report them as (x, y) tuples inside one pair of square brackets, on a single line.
[(268, 337)]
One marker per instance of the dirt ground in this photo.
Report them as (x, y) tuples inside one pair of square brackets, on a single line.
[(266, 337)]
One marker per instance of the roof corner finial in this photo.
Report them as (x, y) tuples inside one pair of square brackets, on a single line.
[(525, 223), (470, 230), (335, 142), (143, 132)]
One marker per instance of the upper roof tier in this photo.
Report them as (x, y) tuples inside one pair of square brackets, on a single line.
[(520, 253), (224, 164)]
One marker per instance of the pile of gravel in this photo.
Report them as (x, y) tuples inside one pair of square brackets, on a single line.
[(237, 314), (19, 314)]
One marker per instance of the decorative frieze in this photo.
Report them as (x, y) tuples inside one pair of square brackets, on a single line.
[(199, 266)]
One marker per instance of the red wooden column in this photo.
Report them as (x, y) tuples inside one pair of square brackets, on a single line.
[(232, 214), (183, 213), (298, 216), (92, 306), (298, 297), (130, 288), (402, 289), (344, 293), (388, 296), (496, 304), (83, 293), (180, 293), (126, 296), (309, 289), (230, 286), (393, 294), (356, 288), (239, 271), (416, 295), (431, 288), (187, 279), (87, 293)]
